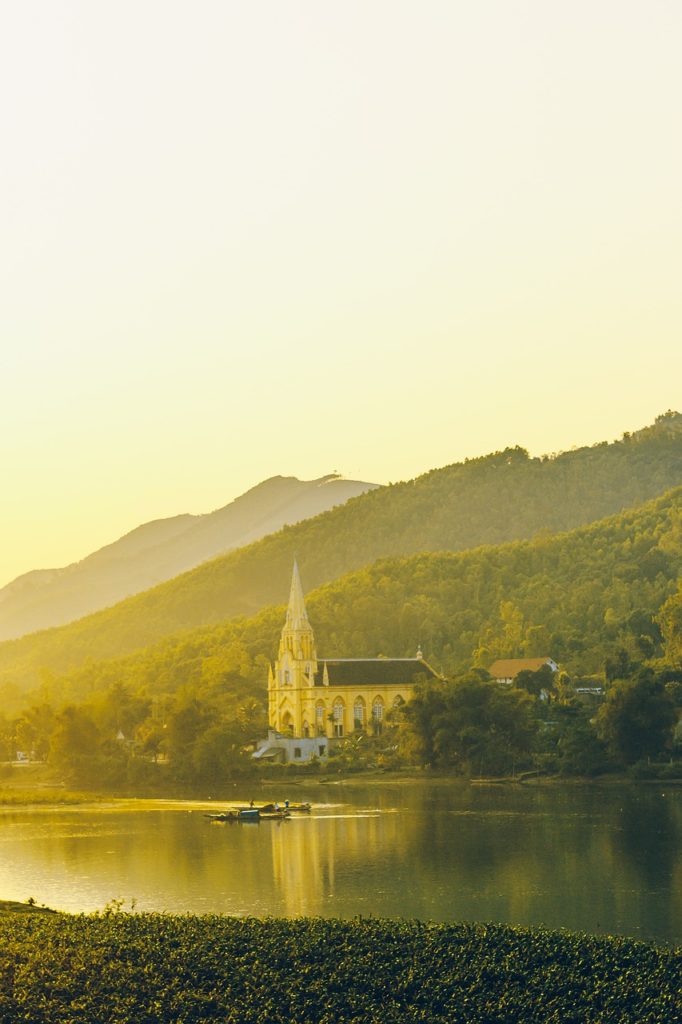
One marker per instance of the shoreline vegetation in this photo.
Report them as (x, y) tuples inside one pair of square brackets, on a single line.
[(119, 966)]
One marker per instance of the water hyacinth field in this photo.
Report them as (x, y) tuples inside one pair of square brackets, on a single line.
[(149, 968)]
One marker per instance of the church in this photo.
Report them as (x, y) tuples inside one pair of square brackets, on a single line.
[(313, 701)]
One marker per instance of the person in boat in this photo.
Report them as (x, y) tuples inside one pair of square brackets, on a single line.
[(251, 804)]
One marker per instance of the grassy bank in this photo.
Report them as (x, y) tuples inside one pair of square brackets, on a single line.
[(30, 797), (13, 907), (160, 968)]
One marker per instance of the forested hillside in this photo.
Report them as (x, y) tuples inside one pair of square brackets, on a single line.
[(490, 500), (582, 597), (160, 550)]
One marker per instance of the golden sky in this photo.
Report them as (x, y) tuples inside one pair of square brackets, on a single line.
[(242, 239)]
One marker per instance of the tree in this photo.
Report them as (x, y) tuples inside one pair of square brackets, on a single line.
[(428, 702), (74, 744), (536, 682), (581, 751), (186, 724), (670, 620), (473, 725), (619, 665), (637, 718), (33, 730), (118, 710), (218, 753)]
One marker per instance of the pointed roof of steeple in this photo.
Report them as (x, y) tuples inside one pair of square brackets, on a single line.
[(297, 617)]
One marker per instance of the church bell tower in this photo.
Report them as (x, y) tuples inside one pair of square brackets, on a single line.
[(295, 668)]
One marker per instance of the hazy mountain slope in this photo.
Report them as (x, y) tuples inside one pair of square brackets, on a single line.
[(490, 500), (162, 549), (578, 597)]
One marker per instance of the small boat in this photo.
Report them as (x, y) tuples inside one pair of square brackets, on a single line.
[(269, 808), (248, 814)]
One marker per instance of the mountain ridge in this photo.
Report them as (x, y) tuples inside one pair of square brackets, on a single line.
[(162, 549), (490, 500), (472, 606)]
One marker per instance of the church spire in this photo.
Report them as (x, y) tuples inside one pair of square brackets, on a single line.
[(297, 617), (297, 634)]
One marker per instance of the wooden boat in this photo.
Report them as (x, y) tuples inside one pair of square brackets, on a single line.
[(223, 816), (269, 808), (242, 814)]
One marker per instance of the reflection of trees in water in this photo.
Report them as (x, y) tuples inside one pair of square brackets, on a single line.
[(645, 835), (445, 847), (582, 857), (574, 856), (650, 836), (552, 854)]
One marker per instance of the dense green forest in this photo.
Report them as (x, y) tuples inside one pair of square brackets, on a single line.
[(579, 597), (602, 600), (450, 607)]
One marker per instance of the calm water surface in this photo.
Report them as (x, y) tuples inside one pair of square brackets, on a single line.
[(598, 859)]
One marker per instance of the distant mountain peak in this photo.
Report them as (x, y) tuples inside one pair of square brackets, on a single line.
[(164, 548)]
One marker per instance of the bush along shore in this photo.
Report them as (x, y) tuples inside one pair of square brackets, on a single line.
[(148, 968)]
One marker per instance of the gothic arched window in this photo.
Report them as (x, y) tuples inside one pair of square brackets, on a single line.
[(359, 714), (337, 713)]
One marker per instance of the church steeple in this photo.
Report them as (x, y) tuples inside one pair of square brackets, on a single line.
[(297, 635), (297, 617)]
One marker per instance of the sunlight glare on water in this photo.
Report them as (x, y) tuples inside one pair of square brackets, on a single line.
[(599, 859)]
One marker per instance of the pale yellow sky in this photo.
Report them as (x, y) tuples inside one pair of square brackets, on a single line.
[(245, 239)]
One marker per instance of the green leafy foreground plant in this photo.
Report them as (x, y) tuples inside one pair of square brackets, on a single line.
[(119, 967)]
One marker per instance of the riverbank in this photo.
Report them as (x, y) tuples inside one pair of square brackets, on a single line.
[(410, 777), (159, 967), (37, 787), (13, 907)]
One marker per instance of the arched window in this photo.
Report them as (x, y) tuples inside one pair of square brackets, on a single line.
[(287, 723), (319, 719), (359, 714), (306, 729), (377, 715), (286, 676), (337, 712)]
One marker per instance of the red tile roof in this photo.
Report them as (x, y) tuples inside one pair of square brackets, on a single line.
[(508, 668)]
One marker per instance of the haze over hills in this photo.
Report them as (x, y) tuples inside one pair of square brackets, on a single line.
[(502, 497), (162, 549), (581, 597)]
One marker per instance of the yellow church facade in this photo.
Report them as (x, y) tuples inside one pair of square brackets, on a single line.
[(313, 701)]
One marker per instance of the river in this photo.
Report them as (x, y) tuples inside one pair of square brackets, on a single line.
[(596, 858)]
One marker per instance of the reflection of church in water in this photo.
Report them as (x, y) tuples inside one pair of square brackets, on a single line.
[(313, 701)]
